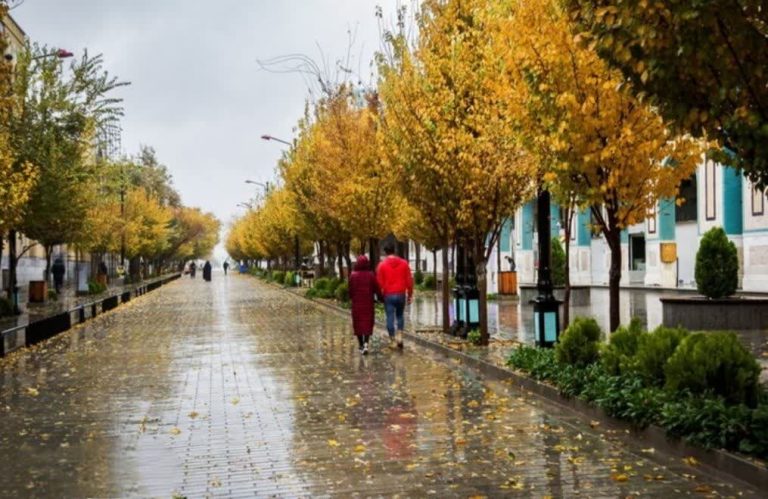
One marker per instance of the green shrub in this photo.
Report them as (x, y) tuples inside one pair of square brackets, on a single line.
[(341, 293), (492, 296), (278, 276), (418, 277), (322, 284), (618, 356), (6, 307), (714, 362), (558, 263), (579, 344), (654, 350), (290, 279), (717, 265), (53, 295), (474, 337), (95, 288), (429, 282)]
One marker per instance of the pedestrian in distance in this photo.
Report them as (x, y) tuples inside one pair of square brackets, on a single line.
[(192, 270), (226, 267), (396, 286), (207, 271), (363, 290), (58, 269)]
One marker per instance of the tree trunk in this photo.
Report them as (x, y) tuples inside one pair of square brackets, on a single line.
[(453, 260), (347, 258), (498, 263), (446, 292), (134, 269), (418, 256), (434, 264), (340, 259), (569, 213), (481, 266), (47, 273), (321, 258), (614, 277), (373, 252), (12, 263)]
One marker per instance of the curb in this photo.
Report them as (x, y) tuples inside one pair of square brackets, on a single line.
[(34, 332), (721, 462)]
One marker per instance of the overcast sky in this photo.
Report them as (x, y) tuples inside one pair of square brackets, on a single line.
[(197, 94)]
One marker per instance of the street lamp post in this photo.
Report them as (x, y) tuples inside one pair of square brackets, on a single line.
[(546, 309), (297, 247)]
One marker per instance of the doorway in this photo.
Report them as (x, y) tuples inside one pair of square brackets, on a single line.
[(636, 258)]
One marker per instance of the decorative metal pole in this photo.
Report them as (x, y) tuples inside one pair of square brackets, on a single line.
[(546, 309)]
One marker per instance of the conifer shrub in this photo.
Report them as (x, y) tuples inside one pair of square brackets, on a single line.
[(717, 265), (654, 350), (558, 263), (579, 344), (619, 355), (717, 363)]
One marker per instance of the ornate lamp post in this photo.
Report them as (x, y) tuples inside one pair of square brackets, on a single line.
[(546, 309)]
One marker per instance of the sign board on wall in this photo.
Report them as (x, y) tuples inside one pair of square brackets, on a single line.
[(668, 252)]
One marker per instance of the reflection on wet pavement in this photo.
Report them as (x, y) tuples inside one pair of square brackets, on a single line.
[(235, 388), (508, 318)]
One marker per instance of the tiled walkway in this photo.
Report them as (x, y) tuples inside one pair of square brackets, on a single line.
[(237, 389)]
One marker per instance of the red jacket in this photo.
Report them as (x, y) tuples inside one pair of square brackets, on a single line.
[(394, 276)]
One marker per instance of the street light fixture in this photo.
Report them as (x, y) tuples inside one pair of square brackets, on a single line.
[(297, 248), (269, 137)]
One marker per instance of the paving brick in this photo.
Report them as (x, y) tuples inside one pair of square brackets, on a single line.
[(237, 389)]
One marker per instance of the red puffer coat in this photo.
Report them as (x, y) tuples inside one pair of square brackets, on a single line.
[(363, 288)]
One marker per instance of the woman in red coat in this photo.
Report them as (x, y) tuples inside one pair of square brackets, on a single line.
[(363, 288)]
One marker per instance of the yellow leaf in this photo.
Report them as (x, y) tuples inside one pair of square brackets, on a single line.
[(619, 477), (175, 431), (333, 443)]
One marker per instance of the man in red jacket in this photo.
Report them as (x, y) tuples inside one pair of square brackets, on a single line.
[(396, 285)]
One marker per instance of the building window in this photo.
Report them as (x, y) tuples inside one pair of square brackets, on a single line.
[(652, 221), (710, 192), (686, 212), (758, 201)]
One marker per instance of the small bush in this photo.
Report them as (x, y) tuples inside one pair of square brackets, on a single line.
[(322, 284), (418, 277), (6, 307), (714, 362), (579, 344), (341, 292), (492, 296), (474, 337), (617, 357), (429, 282), (717, 265), (290, 279), (558, 263), (654, 350), (95, 288), (53, 295), (278, 276)]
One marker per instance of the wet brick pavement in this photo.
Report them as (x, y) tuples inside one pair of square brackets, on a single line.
[(238, 389)]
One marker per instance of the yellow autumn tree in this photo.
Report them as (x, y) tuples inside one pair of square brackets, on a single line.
[(594, 141), (358, 192), (146, 227), (447, 131)]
